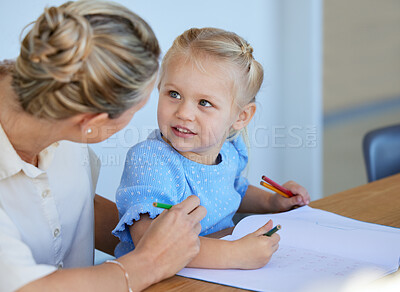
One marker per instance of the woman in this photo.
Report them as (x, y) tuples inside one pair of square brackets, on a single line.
[(84, 69)]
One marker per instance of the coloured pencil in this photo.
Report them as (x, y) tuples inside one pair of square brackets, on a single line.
[(162, 205), (277, 186), (264, 184), (273, 230)]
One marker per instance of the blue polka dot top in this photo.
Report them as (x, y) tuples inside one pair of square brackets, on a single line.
[(156, 172)]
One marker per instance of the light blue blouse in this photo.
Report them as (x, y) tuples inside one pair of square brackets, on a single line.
[(156, 172)]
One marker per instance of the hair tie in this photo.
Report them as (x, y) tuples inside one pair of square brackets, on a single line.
[(247, 49), (250, 49), (243, 50)]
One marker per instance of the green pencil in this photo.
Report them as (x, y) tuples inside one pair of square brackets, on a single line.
[(273, 230), (162, 205)]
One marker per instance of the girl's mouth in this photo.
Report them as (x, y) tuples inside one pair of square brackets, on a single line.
[(182, 132)]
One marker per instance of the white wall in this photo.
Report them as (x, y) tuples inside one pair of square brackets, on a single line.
[(301, 85), (286, 37)]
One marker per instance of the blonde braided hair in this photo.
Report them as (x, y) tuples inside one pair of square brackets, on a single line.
[(85, 57)]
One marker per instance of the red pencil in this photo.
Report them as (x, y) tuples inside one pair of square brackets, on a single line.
[(278, 186)]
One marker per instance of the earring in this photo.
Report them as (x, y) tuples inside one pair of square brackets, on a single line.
[(89, 130)]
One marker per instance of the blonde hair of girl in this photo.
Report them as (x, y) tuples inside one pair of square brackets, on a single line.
[(227, 47), (85, 57)]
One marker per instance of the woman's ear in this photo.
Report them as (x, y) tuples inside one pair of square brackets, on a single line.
[(245, 116), (88, 122)]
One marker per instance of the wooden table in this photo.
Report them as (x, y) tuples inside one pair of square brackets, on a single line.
[(376, 202)]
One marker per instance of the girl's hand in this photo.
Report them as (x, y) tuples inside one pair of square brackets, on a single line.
[(254, 250), (300, 198)]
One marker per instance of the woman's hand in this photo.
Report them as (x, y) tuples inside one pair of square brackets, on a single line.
[(255, 250), (300, 198), (172, 239), (170, 242)]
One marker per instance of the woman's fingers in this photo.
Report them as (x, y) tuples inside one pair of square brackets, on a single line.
[(172, 238), (191, 206), (198, 214), (197, 228), (188, 205)]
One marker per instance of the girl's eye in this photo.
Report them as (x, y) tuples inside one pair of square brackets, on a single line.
[(205, 103), (174, 94)]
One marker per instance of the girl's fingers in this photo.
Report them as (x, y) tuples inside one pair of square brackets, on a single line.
[(301, 195), (297, 200), (263, 229)]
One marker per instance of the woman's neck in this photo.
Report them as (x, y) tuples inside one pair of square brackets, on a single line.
[(28, 135)]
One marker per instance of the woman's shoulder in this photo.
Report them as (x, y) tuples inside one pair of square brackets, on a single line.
[(78, 154)]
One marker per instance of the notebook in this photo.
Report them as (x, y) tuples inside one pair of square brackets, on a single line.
[(318, 250)]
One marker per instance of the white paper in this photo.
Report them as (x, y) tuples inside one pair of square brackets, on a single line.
[(316, 247)]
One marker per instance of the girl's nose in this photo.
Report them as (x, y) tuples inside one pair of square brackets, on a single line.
[(185, 111)]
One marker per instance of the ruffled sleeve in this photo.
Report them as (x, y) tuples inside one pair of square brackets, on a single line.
[(151, 174), (241, 183)]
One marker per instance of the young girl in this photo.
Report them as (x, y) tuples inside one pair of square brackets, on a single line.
[(208, 83)]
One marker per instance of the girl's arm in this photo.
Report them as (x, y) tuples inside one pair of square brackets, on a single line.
[(257, 200), (250, 252)]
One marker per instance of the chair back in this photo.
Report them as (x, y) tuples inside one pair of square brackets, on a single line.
[(381, 149)]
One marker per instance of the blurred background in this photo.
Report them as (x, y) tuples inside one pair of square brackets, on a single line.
[(361, 83), (332, 73)]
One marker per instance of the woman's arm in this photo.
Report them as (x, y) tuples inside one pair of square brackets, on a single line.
[(170, 242), (104, 277), (250, 252), (106, 218)]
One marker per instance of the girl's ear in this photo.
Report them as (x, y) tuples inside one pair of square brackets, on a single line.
[(245, 116)]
